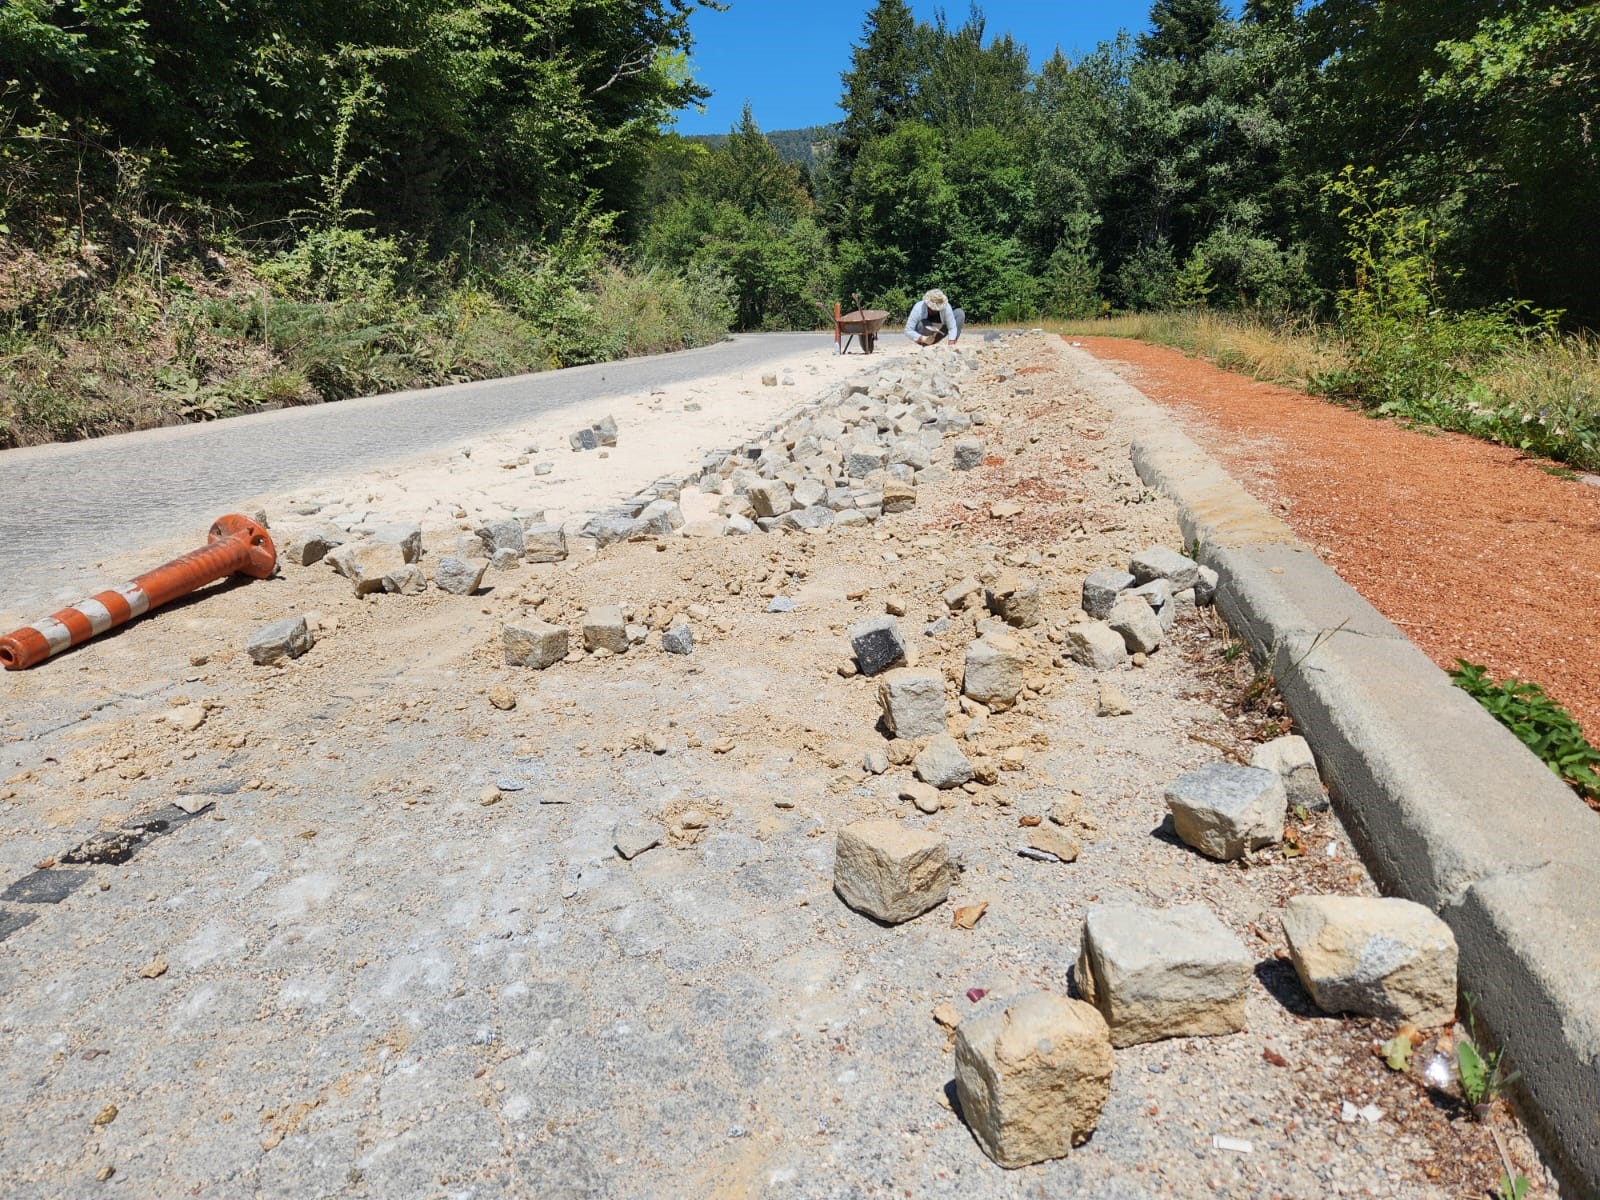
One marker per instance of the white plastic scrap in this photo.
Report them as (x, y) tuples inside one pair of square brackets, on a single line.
[(1438, 1071), (1221, 1141)]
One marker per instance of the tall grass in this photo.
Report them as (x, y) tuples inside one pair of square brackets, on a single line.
[(164, 338), (1540, 394)]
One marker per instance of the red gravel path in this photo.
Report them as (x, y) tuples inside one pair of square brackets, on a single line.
[(1472, 549)]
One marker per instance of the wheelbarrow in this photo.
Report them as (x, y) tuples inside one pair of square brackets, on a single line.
[(863, 324)]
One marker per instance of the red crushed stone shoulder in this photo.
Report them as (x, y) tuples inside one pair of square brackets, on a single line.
[(1474, 550)]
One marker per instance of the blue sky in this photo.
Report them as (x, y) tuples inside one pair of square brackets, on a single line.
[(785, 56)]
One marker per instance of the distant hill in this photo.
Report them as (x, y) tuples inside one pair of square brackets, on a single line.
[(803, 146)]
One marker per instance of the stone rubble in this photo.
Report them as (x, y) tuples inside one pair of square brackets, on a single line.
[(1376, 956), (1289, 757), (288, 638), (1225, 811), (1162, 973), (877, 645), (534, 643), (913, 703), (1032, 1078), (891, 872), (941, 763)]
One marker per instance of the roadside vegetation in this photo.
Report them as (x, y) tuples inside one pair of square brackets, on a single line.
[(214, 211)]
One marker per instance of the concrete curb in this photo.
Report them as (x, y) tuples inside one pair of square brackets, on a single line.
[(1447, 807)]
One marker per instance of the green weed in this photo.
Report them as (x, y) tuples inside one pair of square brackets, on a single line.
[(1540, 724)]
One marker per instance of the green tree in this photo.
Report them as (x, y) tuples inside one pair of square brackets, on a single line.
[(1182, 30)]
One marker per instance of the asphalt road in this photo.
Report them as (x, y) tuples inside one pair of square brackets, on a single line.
[(63, 507)]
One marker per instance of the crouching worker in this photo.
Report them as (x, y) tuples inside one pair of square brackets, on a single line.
[(933, 320)]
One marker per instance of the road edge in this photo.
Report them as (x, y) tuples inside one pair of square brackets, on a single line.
[(1422, 777)]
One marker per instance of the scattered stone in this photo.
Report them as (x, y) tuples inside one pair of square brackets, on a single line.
[(898, 496), (543, 468), (968, 453), (1163, 973), (1016, 600), (1096, 645), (1101, 591), (891, 872), (1225, 811), (288, 638), (1112, 702), (503, 535), (1380, 957), (154, 969), (1067, 811), (967, 916), (1140, 628), (605, 430), (781, 604), (770, 379), (544, 543), (369, 566), (877, 644), (1205, 587), (957, 594), (941, 763), (1290, 759), (458, 576), (633, 838), (605, 629), (534, 643), (913, 703), (503, 698), (926, 799), (409, 580), (1002, 509), (770, 498), (816, 517), (1052, 839), (308, 549), (1160, 563), (1032, 1078), (584, 439), (875, 762), (662, 518), (678, 640), (995, 671), (407, 536)]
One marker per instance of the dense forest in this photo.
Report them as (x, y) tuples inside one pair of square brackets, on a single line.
[(211, 208)]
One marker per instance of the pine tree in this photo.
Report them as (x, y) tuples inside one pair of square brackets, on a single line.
[(1183, 29)]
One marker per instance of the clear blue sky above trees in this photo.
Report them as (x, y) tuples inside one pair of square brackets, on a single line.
[(785, 59)]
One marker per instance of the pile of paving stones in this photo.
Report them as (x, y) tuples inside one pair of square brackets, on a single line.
[(1033, 1076), (846, 458)]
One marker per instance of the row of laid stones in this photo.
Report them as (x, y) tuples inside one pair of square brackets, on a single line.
[(850, 457), (604, 631), (1032, 1077)]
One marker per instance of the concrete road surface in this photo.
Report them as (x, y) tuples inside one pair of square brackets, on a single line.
[(63, 507)]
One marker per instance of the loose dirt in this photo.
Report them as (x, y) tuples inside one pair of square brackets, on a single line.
[(403, 959), (1474, 550)]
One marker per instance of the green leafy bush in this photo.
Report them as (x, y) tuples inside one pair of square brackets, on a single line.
[(1541, 724)]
